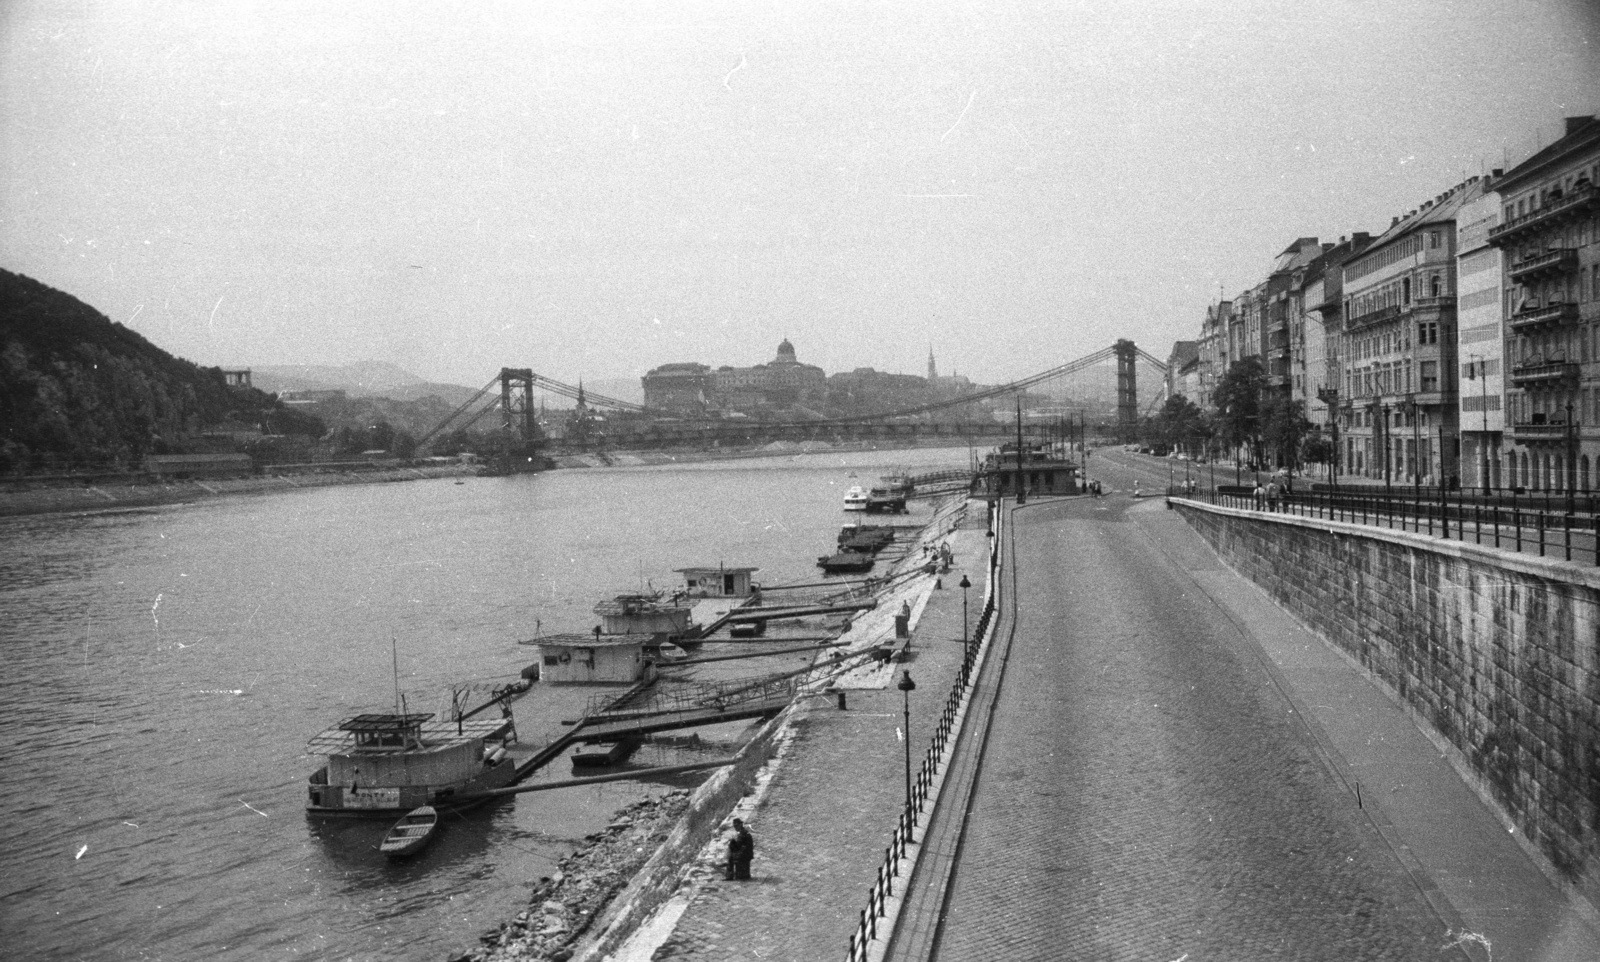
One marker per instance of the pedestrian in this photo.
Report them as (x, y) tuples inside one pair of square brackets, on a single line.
[(741, 849), (1272, 495), (1259, 495)]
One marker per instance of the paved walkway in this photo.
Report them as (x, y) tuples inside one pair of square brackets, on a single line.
[(822, 822), (1420, 868)]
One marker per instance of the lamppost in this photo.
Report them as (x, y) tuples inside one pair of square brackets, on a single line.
[(966, 635), (1022, 494), (907, 686), (1416, 454), (1388, 491), (1475, 372), (1330, 397), (1572, 463)]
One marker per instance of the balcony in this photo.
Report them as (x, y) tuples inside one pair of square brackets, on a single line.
[(1576, 202), (1531, 319), (1439, 303), (1561, 260), (1542, 431), (1544, 374), (1373, 317)]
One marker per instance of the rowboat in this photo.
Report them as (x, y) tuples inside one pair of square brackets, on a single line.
[(411, 833)]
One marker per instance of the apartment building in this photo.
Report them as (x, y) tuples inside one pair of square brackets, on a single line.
[(1549, 238), (1480, 335), (1398, 398)]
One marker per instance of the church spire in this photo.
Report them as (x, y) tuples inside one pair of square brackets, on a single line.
[(933, 371)]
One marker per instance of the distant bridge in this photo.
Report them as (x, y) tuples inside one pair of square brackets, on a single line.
[(510, 396)]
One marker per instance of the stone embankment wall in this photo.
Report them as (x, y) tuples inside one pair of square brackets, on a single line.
[(1498, 652)]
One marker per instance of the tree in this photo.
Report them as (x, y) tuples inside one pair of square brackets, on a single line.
[(1238, 404), (1284, 426), (1179, 423)]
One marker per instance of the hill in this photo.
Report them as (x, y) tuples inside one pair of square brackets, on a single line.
[(78, 390), (374, 379)]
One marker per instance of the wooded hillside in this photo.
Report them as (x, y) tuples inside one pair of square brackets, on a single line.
[(78, 390)]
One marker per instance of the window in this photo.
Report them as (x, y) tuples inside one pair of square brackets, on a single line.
[(1435, 286), (1430, 376), (1433, 240)]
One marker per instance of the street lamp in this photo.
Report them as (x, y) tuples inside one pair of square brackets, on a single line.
[(1475, 372), (966, 637), (1416, 454), (1388, 453), (907, 686)]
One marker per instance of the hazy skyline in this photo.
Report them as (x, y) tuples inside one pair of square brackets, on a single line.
[(593, 189)]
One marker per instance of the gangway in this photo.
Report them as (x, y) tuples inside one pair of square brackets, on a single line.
[(666, 708)]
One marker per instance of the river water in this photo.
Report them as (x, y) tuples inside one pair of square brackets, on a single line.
[(163, 669)]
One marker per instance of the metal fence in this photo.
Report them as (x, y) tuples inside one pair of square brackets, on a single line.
[(1551, 525), (894, 856)]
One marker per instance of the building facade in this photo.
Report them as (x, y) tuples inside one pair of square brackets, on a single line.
[(1550, 216), (1480, 335), (1399, 315), (684, 387)]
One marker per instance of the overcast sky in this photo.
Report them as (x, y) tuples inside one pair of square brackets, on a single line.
[(591, 189)]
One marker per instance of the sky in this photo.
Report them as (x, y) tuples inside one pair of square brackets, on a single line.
[(592, 189)]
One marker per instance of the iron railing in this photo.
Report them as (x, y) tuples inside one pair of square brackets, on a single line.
[(1546, 523), (894, 855)]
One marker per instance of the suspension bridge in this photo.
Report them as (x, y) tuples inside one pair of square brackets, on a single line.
[(1078, 389)]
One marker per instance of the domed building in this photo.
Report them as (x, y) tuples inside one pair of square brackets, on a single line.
[(782, 382)]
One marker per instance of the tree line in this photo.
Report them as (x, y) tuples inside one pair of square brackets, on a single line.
[(1264, 426)]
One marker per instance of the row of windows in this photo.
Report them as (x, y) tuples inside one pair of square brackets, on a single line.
[(1392, 254), (1396, 293), (1580, 285), (1544, 196), (1546, 408), (1573, 344)]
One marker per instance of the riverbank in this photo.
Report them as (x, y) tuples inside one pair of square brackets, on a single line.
[(72, 497), (23, 498)]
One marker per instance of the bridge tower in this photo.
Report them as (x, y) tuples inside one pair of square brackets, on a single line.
[(1127, 391), (518, 430)]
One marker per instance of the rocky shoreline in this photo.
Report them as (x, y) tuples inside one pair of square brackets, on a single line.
[(563, 907)]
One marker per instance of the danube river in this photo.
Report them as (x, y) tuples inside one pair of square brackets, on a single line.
[(164, 668)]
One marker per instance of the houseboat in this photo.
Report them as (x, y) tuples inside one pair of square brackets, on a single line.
[(389, 764), (596, 659), (846, 561)]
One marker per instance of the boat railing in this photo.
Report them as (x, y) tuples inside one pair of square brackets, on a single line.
[(692, 697)]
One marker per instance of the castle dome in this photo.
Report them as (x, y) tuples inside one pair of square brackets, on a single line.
[(786, 352)]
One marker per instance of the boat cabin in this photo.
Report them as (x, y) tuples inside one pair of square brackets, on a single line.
[(1039, 474), (381, 762), (718, 582), (594, 659), (658, 618)]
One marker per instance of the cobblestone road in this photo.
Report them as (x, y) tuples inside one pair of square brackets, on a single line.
[(1149, 793)]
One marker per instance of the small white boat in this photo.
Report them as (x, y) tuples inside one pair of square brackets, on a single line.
[(667, 651), (411, 833), (855, 499)]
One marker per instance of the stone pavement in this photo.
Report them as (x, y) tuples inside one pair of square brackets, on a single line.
[(1228, 816), (823, 819), (1471, 864)]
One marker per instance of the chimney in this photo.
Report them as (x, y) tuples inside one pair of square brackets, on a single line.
[(1497, 172), (1393, 221)]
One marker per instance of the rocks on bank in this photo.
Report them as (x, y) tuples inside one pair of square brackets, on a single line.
[(564, 906)]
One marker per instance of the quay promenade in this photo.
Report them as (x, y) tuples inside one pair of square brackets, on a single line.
[(1172, 768)]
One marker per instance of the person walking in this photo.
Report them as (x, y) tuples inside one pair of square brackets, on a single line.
[(1272, 495), (741, 849)]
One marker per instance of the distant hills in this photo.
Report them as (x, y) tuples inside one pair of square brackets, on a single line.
[(365, 379), (78, 391)]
